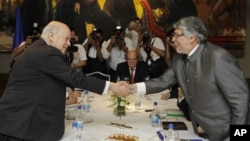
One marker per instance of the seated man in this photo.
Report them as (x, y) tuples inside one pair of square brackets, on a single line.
[(133, 69)]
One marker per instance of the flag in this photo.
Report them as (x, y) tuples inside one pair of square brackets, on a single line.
[(18, 34)]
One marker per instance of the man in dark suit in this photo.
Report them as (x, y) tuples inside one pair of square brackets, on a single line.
[(33, 104), (139, 70), (212, 82)]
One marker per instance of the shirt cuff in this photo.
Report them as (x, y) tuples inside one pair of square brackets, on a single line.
[(180, 99), (106, 88), (141, 88)]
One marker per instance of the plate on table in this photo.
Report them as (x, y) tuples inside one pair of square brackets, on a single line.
[(122, 137)]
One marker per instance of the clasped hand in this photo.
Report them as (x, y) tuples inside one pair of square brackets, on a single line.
[(121, 88)]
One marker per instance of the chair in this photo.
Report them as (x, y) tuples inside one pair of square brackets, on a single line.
[(99, 75)]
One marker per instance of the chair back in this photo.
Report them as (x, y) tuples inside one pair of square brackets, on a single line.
[(99, 75)]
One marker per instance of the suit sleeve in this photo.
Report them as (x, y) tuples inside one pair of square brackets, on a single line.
[(54, 64), (161, 83)]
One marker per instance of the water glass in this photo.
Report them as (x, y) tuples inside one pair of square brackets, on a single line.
[(126, 79), (162, 113), (137, 103)]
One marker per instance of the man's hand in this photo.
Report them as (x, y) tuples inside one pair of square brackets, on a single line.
[(165, 96), (77, 8), (121, 90), (180, 93), (132, 87), (72, 99)]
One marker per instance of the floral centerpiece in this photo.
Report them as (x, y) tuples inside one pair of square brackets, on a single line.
[(119, 105)]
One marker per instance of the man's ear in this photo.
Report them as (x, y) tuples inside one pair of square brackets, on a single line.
[(51, 36), (192, 39)]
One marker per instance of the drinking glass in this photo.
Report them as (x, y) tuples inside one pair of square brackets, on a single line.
[(137, 102), (161, 113), (126, 79)]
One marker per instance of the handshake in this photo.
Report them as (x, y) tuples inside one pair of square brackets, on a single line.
[(122, 88)]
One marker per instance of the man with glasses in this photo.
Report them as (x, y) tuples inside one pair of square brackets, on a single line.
[(212, 82)]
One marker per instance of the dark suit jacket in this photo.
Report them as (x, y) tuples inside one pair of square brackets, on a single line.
[(214, 87), (183, 106), (141, 71), (33, 103)]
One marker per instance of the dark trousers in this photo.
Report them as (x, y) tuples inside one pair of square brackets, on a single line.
[(10, 138)]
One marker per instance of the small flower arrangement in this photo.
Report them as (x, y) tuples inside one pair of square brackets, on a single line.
[(119, 105)]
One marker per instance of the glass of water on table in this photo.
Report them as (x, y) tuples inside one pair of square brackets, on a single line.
[(137, 102)]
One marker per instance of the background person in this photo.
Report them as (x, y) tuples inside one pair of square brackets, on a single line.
[(77, 52), (93, 46), (139, 69), (152, 51), (114, 50), (33, 35), (33, 102)]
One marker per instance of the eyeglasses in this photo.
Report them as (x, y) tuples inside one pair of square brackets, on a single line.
[(177, 35), (131, 59)]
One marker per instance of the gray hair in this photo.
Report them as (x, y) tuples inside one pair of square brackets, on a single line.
[(192, 26), (51, 27)]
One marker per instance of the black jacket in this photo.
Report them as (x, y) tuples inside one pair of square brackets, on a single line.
[(141, 71), (33, 103)]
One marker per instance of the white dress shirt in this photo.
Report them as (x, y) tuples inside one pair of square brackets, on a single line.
[(116, 55), (157, 43)]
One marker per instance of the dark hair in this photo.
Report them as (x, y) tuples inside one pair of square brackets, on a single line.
[(138, 19), (99, 31), (116, 30), (73, 29)]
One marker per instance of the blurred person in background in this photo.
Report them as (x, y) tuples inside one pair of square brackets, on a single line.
[(76, 54), (134, 30), (33, 35), (93, 46), (152, 52), (135, 70), (115, 49)]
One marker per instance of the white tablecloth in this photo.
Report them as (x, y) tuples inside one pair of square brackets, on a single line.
[(102, 115)]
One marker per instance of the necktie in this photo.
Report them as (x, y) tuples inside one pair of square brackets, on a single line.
[(132, 75)]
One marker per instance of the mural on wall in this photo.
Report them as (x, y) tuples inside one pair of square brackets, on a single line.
[(222, 17), (7, 22)]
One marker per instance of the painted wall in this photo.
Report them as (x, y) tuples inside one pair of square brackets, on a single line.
[(244, 61)]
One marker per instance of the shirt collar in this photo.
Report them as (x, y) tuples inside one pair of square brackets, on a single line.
[(193, 50)]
